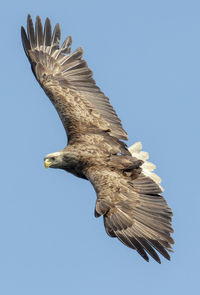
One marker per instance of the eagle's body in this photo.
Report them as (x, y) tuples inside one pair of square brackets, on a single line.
[(128, 192)]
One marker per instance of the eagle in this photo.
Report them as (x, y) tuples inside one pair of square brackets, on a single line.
[(128, 191)]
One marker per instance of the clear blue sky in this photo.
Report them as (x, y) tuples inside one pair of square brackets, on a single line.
[(145, 56)]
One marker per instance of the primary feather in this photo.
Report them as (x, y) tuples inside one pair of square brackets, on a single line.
[(128, 191)]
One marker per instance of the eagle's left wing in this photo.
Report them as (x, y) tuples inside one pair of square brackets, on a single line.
[(68, 82)]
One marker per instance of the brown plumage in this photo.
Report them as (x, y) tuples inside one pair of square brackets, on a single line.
[(128, 193)]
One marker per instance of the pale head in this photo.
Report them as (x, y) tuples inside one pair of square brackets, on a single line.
[(65, 159), (54, 160)]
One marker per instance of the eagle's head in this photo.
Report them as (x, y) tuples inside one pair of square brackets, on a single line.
[(68, 160), (64, 159), (54, 160)]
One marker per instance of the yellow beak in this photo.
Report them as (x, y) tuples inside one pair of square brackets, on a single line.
[(47, 163)]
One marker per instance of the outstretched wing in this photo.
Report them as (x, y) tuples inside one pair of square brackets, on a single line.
[(133, 209), (68, 81)]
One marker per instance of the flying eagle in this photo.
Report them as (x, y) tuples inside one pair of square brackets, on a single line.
[(128, 192)]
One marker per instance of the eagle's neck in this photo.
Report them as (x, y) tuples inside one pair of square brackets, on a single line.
[(72, 162)]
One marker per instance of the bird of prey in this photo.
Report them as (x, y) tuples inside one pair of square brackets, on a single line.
[(128, 192)]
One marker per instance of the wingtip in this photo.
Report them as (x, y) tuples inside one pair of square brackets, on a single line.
[(22, 30), (167, 257), (47, 22), (23, 34), (38, 18), (25, 41), (146, 257), (80, 49), (29, 18)]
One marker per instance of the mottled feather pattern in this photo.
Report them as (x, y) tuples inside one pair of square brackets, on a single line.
[(128, 191)]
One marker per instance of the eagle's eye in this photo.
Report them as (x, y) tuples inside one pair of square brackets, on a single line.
[(53, 158)]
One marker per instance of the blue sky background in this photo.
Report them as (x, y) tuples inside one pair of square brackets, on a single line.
[(145, 56)]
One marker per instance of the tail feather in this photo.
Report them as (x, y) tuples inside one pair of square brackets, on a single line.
[(147, 167)]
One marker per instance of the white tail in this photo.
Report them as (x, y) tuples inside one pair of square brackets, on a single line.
[(147, 167)]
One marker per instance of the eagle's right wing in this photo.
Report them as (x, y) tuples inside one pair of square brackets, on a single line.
[(133, 209), (68, 82)]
